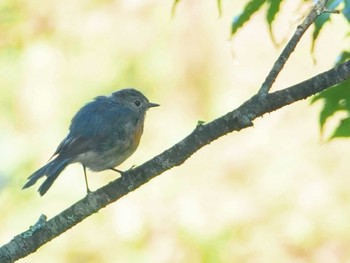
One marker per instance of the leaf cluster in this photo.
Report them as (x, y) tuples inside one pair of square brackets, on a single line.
[(334, 100)]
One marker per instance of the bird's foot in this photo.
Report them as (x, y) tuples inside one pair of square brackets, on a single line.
[(128, 179)]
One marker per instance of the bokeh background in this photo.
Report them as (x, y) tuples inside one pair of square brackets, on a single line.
[(277, 192)]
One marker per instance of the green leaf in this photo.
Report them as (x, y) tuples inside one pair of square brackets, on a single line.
[(273, 9), (344, 56), (251, 7), (343, 130), (335, 99)]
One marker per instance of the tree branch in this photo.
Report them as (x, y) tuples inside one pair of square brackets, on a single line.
[(43, 231), (317, 10), (242, 117)]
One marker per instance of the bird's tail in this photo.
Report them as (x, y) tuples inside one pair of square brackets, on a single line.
[(51, 171)]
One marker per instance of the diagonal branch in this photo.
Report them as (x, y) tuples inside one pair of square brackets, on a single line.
[(317, 10), (44, 231)]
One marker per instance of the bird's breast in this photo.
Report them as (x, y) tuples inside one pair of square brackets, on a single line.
[(113, 150)]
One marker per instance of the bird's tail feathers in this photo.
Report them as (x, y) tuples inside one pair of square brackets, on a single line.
[(51, 171)]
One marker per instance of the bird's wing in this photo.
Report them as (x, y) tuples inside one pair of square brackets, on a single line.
[(73, 146), (93, 124)]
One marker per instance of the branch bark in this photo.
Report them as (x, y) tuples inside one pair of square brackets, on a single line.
[(242, 117), (43, 231), (317, 10)]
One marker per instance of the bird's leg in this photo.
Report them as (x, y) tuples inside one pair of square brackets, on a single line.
[(86, 181)]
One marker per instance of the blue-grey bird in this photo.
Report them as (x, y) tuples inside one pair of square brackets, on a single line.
[(102, 135)]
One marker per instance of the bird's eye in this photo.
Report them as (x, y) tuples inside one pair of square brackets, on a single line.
[(137, 103)]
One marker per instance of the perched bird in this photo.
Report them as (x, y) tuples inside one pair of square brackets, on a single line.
[(102, 135)]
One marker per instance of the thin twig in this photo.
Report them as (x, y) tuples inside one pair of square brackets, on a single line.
[(318, 9)]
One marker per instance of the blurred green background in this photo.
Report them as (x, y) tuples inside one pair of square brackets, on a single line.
[(275, 192)]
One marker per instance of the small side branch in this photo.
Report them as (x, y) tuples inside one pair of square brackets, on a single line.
[(317, 10)]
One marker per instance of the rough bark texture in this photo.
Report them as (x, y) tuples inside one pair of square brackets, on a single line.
[(43, 231), (238, 119)]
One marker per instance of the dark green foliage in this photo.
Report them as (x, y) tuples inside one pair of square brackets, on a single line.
[(336, 99), (343, 129), (273, 9), (251, 7)]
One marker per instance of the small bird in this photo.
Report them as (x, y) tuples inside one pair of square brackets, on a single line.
[(102, 135)]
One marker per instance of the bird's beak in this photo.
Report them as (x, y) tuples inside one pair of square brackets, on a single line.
[(150, 105)]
